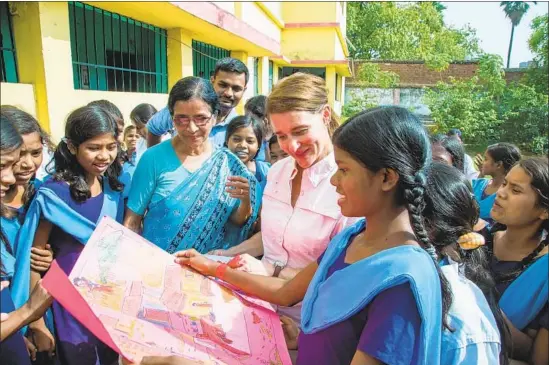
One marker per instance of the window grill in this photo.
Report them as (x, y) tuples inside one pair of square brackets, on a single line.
[(112, 52), (8, 62), (205, 56)]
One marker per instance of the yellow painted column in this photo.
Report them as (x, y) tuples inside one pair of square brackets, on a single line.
[(243, 56), (330, 83), (43, 34), (264, 76), (276, 76), (180, 55), (238, 9), (27, 34)]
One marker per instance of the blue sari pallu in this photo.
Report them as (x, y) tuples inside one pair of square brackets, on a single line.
[(527, 295), (359, 283), (196, 214), (47, 205)]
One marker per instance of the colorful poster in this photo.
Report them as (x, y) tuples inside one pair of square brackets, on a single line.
[(136, 299)]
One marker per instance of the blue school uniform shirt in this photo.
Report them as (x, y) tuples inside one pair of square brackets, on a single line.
[(390, 320), (262, 153), (162, 123), (13, 350), (485, 202), (126, 177), (261, 172), (475, 338)]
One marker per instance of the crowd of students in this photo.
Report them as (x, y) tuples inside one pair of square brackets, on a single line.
[(377, 243)]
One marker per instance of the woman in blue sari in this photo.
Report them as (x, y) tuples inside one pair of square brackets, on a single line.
[(498, 160), (64, 213), (519, 257), (376, 295), (184, 191)]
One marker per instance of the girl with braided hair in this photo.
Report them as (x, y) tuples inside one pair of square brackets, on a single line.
[(519, 260), (479, 334), (376, 294)]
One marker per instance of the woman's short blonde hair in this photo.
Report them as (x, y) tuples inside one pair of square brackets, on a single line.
[(301, 92)]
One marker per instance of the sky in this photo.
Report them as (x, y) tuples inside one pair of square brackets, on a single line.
[(493, 28)]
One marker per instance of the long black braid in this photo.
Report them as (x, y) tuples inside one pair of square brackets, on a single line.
[(414, 197)]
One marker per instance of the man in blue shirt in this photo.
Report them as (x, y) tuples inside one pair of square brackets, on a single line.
[(229, 81)]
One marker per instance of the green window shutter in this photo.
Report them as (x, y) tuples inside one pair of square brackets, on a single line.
[(112, 52), (205, 56), (8, 63)]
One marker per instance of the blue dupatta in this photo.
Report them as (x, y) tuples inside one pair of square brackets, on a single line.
[(47, 205), (486, 203), (527, 294), (358, 284), (196, 213)]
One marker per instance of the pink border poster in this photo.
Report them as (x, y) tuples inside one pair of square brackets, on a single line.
[(134, 298)]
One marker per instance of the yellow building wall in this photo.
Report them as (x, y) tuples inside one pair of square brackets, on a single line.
[(273, 8), (341, 16), (27, 34), (18, 95), (248, 61), (252, 14), (309, 12), (179, 55), (56, 97), (42, 36), (339, 54), (309, 43)]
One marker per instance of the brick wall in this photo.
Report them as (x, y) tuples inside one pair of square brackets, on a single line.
[(416, 74)]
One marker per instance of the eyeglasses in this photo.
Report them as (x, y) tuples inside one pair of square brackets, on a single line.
[(199, 121)]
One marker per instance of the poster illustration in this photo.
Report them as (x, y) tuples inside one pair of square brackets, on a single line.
[(135, 298)]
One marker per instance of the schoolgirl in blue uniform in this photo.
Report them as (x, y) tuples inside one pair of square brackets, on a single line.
[(519, 259), (498, 160), (479, 334), (13, 349)]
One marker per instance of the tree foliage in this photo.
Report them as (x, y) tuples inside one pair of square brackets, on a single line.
[(538, 43), (359, 102), (411, 31), (488, 111), (515, 10)]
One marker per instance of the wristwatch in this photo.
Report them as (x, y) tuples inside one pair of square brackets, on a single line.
[(278, 266)]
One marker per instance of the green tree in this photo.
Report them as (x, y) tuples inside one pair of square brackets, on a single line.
[(487, 110), (411, 31), (514, 10), (538, 43), (359, 101)]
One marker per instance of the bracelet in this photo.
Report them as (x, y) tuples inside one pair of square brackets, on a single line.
[(220, 271)]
